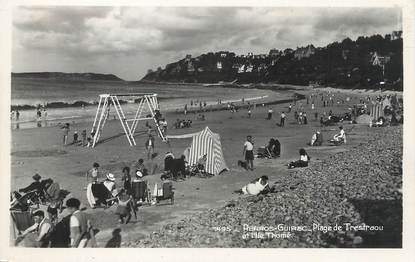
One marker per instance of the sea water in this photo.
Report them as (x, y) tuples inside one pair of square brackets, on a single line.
[(34, 92)]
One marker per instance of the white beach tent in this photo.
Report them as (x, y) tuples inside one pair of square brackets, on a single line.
[(205, 142)]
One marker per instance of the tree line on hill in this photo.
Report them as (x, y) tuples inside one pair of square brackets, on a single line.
[(368, 62), (68, 76)]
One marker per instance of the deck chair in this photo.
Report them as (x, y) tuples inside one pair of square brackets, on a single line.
[(21, 221), (263, 152), (140, 191), (168, 193), (102, 195)]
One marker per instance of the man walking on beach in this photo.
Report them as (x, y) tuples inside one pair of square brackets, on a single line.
[(282, 121), (248, 152)]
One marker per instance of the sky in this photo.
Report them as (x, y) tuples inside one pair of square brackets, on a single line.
[(127, 41)]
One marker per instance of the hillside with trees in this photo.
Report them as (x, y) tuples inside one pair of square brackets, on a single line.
[(368, 62)]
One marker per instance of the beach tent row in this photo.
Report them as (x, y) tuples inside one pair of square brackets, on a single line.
[(205, 142)]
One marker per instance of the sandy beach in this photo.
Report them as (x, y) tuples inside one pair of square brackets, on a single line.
[(40, 150)]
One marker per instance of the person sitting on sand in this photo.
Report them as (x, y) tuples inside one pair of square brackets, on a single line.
[(313, 139), (302, 162), (379, 123), (255, 187), (316, 139), (201, 163), (53, 191), (319, 140), (340, 137)]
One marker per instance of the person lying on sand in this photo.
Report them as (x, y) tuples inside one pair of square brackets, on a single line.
[(36, 185), (255, 187)]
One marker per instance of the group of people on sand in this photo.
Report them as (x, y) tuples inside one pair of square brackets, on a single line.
[(182, 123), (15, 115), (47, 230), (78, 139), (75, 230)]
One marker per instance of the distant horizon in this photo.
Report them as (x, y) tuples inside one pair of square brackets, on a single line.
[(127, 42)]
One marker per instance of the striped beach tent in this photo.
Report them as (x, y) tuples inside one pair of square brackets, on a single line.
[(205, 142), (376, 111)]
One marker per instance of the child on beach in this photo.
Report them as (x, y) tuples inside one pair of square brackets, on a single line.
[(93, 173), (125, 206), (75, 137)]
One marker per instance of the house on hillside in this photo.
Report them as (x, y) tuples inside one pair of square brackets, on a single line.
[(236, 66), (274, 53), (345, 54), (378, 60), (241, 69), (176, 69), (249, 68), (396, 35), (190, 67), (288, 51), (304, 52), (219, 65), (188, 58), (261, 67)]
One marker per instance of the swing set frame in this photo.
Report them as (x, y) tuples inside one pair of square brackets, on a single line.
[(129, 126)]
